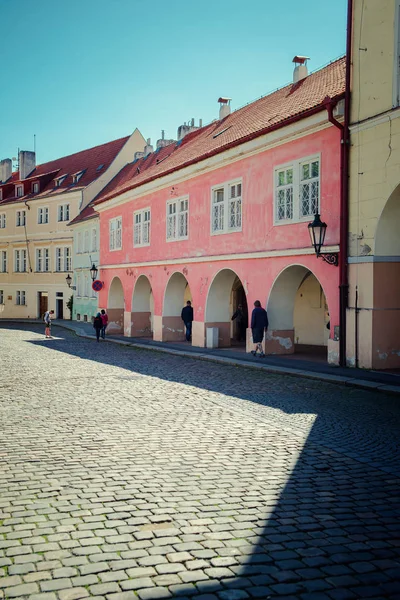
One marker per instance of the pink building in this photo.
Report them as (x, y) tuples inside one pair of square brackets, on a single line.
[(220, 217)]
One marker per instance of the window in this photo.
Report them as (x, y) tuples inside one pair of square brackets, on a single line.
[(226, 215), (35, 187), (86, 241), (3, 261), (76, 176), (1, 194), (94, 240), (177, 219), (63, 212), (43, 215), (116, 234), (2, 220), (59, 180), (284, 193), (20, 261), (21, 218), (86, 286), (297, 191), (78, 286), (19, 191), (20, 299), (43, 260), (141, 227), (79, 243), (1, 297), (63, 259)]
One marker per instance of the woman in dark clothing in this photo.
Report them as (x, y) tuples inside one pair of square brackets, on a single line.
[(98, 324), (259, 324)]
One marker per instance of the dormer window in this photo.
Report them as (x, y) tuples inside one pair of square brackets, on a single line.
[(76, 176), (19, 191), (1, 194), (59, 180), (35, 187)]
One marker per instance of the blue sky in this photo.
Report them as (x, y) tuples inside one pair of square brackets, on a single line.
[(78, 73)]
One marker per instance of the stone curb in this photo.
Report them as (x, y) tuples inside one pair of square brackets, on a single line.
[(335, 379)]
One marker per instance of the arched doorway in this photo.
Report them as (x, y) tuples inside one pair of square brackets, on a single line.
[(116, 306), (386, 290), (224, 297), (298, 314), (177, 293), (142, 308)]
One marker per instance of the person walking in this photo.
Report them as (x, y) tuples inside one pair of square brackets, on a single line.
[(240, 318), (48, 315), (259, 324), (104, 320), (98, 324), (187, 318)]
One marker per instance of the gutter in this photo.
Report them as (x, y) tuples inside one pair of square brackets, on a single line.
[(344, 190), (219, 150)]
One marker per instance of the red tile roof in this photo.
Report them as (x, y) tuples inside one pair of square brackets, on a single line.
[(87, 160), (85, 215), (255, 119)]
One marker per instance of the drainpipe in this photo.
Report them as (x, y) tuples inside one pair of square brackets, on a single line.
[(344, 190)]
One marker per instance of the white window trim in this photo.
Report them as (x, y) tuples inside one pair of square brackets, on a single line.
[(2, 261), (115, 219), (5, 220), (48, 215), (23, 213), (295, 164), (76, 176), (93, 238), (59, 180), (137, 212), (34, 184), (21, 260), (63, 210), (63, 248), (43, 259), (225, 185), (19, 187), (175, 201)]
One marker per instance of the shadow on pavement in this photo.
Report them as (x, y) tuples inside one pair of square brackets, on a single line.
[(330, 530)]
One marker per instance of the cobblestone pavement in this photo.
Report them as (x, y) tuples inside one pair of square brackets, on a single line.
[(129, 474)]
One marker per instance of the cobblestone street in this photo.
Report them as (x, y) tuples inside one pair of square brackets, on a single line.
[(129, 474)]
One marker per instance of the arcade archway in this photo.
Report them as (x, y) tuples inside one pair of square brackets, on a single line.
[(142, 308), (116, 307), (177, 293)]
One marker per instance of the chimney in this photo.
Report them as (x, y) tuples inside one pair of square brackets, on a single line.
[(163, 142), (300, 70), (224, 107), (186, 128), (148, 147), (27, 163), (5, 169)]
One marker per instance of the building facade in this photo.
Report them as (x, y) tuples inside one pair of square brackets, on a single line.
[(36, 204), (85, 228), (221, 218), (373, 317)]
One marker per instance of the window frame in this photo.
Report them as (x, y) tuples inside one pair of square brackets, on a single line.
[(226, 186), (1, 297), (141, 212), (61, 209), (3, 261), (297, 182), (93, 239), (19, 187), (110, 237), (65, 259), (3, 220), (21, 260), (20, 294), (177, 237), (18, 215), (33, 186), (47, 213), (44, 258)]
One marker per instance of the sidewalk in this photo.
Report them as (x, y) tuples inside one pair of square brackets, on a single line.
[(361, 378)]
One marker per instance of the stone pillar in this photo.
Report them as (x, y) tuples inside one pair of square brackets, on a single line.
[(141, 324), (198, 334)]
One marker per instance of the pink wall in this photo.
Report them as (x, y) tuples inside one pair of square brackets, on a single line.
[(258, 230)]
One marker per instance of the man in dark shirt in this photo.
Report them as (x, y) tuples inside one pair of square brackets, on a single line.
[(259, 324), (187, 318)]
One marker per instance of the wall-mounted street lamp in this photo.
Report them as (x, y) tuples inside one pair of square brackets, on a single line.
[(68, 279), (93, 272), (317, 231)]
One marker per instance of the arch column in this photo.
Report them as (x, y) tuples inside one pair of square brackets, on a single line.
[(116, 307), (140, 318)]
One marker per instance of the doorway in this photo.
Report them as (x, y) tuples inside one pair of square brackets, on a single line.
[(43, 303), (59, 305)]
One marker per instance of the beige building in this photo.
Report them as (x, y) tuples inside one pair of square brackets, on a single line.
[(373, 316), (36, 205)]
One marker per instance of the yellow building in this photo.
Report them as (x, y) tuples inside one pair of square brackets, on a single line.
[(373, 316), (36, 204)]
